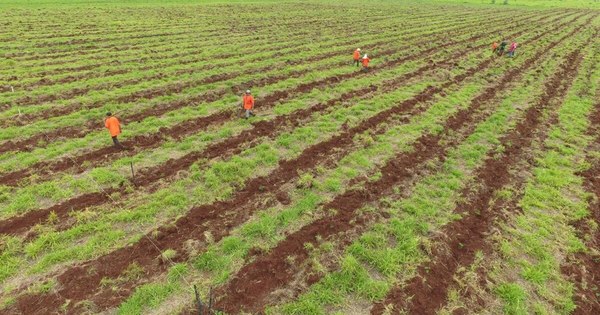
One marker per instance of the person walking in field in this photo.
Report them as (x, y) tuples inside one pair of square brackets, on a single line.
[(356, 57), (365, 63), (511, 49), (114, 128), (248, 104), (502, 48), (495, 47)]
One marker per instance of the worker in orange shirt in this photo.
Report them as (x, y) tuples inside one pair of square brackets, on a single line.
[(495, 46), (248, 104), (356, 57), (365, 63), (114, 128)]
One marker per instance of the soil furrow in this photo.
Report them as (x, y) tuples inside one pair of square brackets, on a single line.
[(111, 72), (427, 291), (197, 124), (20, 224), (78, 283), (28, 118), (584, 268), (250, 288), (45, 81), (187, 228), (83, 51)]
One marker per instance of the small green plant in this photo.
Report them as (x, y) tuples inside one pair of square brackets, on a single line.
[(168, 255)]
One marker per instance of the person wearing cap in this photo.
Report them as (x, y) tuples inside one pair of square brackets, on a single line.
[(365, 63), (357, 56), (114, 128), (248, 103)]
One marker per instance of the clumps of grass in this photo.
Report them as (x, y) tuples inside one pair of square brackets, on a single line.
[(133, 272), (168, 255), (305, 180), (42, 287), (52, 218), (514, 297)]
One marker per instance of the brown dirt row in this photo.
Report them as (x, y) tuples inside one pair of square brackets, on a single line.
[(176, 55), (584, 268), (135, 60), (27, 118), (78, 283), (150, 93), (427, 291), (79, 51), (260, 129), (21, 224), (184, 229), (186, 127), (72, 78), (584, 299), (251, 287), (194, 125), (141, 30)]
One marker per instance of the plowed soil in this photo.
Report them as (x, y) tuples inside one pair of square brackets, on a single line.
[(68, 248)]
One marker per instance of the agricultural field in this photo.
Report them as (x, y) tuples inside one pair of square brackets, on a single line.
[(443, 180)]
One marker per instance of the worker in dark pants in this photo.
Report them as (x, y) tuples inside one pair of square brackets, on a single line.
[(365, 63), (114, 128), (356, 57), (502, 48), (248, 104)]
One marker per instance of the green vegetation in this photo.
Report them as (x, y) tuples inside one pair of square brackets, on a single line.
[(230, 191)]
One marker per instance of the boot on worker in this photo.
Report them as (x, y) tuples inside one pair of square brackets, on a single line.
[(365, 63), (114, 128), (356, 57), (248, 104)]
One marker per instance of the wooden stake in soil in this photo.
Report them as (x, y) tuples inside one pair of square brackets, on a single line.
[(198, 300), (210, 299), (132, 173)]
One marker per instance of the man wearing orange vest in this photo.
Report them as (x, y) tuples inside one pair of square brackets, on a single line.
[(114, 128), (248, 104), (365, 63), (495, 47), (356, 56)]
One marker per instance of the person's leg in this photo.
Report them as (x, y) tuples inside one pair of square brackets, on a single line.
[(247, 113), (116, 142)]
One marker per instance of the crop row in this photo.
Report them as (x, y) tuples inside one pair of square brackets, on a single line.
[(383, 115), (67, 183)]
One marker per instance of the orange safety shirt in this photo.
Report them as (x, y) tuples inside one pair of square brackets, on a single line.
[(365, 62), (248, 101), (356, 55), (113, 126), (494, 46)]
